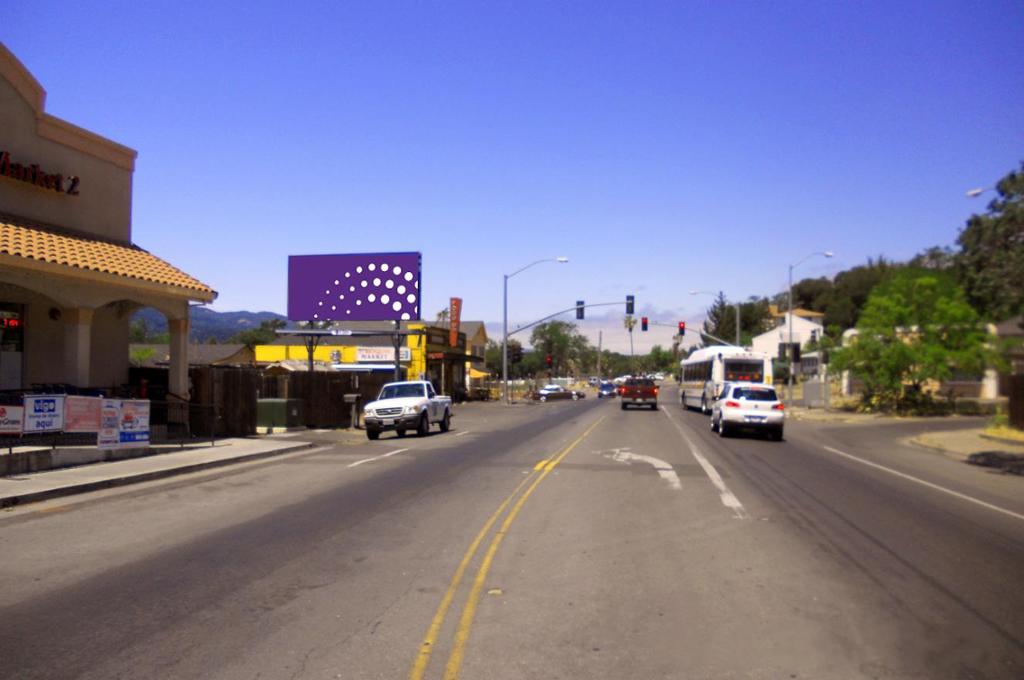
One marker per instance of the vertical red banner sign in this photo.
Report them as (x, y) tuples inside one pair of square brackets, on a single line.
[(454, 314)]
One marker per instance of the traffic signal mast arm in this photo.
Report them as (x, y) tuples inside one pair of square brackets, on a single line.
[(692, 330), (564, 311)]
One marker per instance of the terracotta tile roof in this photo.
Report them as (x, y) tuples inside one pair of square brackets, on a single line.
[(128, 261)]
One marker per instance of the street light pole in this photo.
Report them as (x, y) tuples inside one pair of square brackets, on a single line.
[(504, 322), (789, 320)]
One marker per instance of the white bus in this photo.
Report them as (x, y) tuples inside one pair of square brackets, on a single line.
[(704, 371)]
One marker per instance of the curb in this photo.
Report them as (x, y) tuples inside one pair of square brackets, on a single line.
[(1001, 440), (85, 487)]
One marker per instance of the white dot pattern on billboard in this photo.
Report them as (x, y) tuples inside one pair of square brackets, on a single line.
[(387, 275)]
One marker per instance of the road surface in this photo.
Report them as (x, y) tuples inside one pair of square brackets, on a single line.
[(563, 540)]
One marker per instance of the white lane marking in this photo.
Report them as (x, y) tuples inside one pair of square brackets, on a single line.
[(943, 489), (665, 470), (370, 460), (459, 434), (729, 499)]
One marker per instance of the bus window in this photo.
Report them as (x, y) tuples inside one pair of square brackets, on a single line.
[(744, 371)]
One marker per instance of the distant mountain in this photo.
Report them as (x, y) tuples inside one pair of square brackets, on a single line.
[(207, 324)]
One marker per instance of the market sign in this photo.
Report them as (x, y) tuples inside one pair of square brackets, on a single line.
[(357, 287), (44, 413), (36, 176), (382, 354), (11, 419)]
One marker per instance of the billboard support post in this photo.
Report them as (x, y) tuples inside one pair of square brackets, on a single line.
[(396, 338)]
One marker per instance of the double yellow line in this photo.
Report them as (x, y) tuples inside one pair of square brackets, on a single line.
[(451, 672)]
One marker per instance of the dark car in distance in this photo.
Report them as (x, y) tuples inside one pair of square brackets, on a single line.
[(606, 389)]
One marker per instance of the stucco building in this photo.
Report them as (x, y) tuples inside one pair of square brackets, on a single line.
[(70, 274)]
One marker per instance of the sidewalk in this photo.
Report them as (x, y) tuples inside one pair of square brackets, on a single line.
[(37, 486), (975, 447), (820, 415)]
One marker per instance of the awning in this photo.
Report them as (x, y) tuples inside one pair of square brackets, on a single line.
[(22, 241), (478, 375)]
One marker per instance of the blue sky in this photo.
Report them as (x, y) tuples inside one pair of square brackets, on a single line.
[(661, 146)]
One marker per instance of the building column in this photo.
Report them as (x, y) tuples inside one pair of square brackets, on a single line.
[(177, 382), (77, 345)]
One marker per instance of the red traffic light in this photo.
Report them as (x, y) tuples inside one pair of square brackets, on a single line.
[(643, 323), (682, 328), (547, 360)]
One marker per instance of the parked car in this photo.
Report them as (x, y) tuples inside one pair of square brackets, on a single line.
[(402, 406), (557, 392), (639, 392), (748, 406), (606, 389)]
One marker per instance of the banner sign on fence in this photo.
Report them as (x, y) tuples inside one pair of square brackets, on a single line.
[(134, 423), (11, 419), (82, 414), (109, 436), (44, 413)]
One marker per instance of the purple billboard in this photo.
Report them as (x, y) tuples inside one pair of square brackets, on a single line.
[(359, 287)]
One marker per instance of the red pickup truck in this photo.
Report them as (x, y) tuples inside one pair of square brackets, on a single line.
[(639, 392)]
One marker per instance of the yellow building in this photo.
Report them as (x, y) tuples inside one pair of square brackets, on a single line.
[(425, 353)]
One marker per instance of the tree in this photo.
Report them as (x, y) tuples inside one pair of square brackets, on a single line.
[(916, 327), (492, 357), (941, 259), (812, 294), (851, 289), (557, 340), (990, 263), (264, 335), (721, 319)]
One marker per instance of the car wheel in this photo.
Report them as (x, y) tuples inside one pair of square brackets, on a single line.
[(575, 397), (723, 429), (423, 427), (704, 406), (446, 422), (777, 435), (543, 398), (400, 433), (714, 425), (623, 405), (373, 434)]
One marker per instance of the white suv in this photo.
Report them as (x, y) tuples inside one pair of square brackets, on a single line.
[(748, 406)]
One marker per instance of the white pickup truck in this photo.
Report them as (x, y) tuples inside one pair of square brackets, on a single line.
[(403, 406)]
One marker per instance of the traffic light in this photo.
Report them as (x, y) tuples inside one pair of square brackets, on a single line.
[(629, 304), (579, 309), (643, 323), (547, 360), (682, 328)]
